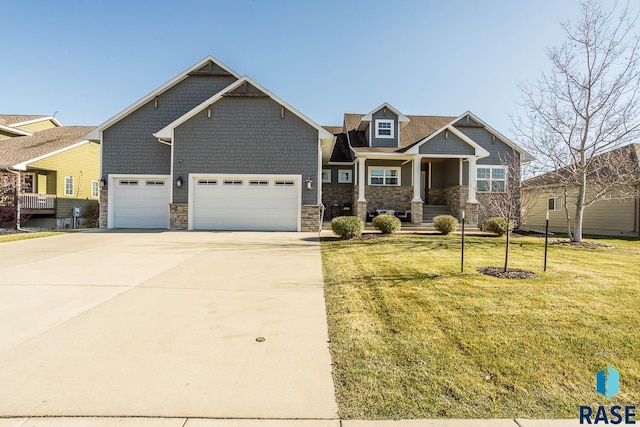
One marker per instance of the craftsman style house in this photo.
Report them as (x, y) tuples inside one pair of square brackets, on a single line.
[(214, 150)]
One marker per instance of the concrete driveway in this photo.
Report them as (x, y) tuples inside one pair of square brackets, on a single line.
[(164, 324)]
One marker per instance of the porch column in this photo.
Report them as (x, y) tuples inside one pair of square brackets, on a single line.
[(416, 180), (472, 180), (362, 180)]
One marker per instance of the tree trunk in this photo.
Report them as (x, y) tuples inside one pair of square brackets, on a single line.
[(582, 189), (506, 252)]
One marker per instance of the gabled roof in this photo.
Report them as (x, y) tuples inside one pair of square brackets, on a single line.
[(402, 119), (14, 131), (333, 129), (479, 151), (165, 134), (194, 69), (18, 119), (623, 160), (19, 151)]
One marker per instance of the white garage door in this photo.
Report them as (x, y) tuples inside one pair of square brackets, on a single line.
[(245, 202), (141, 202)]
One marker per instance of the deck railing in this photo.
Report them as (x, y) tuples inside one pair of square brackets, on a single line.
[(37, 201)]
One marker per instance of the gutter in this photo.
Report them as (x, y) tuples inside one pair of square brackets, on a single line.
[(8, 168)]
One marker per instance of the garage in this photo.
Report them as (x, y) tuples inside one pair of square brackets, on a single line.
[(244, 202), (139, 202)]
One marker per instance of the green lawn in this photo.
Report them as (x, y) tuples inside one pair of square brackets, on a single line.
[(411, 337), (24, 236)]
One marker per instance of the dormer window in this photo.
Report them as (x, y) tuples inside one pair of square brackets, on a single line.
[(384, 129)]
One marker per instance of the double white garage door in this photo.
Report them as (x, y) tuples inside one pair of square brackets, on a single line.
[(216, 202)]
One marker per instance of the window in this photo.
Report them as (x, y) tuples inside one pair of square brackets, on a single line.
[(345, 176), (491, 179), (384, 129), (68, 186), (259, 183), (95, 188), (128, 182), (232, 182), (207, 182), (554, 204), (384, 176), (284, 183), (326, 176), (154, 183)]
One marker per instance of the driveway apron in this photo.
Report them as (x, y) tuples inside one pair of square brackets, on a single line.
[(165, 324)]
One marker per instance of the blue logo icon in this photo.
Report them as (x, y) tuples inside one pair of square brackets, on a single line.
[(608, 382)]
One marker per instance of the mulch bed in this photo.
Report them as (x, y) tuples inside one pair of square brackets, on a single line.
[(584, 245), (512, 273)]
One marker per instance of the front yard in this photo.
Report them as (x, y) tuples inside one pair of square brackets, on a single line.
[(411, 337)]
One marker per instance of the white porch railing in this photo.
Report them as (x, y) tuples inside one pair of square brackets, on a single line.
[(37, 201)]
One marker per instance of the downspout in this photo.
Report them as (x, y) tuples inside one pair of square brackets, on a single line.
[(18, 188)]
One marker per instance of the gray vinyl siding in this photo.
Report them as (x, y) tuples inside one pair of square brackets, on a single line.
[(246, 136), (406, 170), (499, 152), (449, 145), (334, 175), (129, 147), (383, 142)]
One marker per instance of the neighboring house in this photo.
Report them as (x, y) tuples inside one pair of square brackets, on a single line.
[(58, 168), (617, 212), (12, 125), (417, 165), (213, 150)]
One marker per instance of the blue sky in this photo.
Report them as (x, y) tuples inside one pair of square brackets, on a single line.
[(88, 60)]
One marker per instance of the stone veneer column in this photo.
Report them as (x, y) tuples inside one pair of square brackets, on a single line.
[(361, 210), (178, 216), (416, 212), (310, 221), (103, 209), (471, 213)]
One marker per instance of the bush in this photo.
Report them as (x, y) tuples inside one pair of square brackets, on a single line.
[(92, 214), (445, 223), (498, 225), (347, 227), (388, 224)]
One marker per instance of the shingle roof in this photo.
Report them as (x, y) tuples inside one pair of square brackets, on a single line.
[(22, 148), (333, 129), (10, 119), (622, 160), (418, 128)]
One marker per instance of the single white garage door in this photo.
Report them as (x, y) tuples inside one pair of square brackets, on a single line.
[(140, 202), (270, 203)]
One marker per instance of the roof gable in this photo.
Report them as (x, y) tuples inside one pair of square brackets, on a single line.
[(479, 151), (252, 88), (208, 66)]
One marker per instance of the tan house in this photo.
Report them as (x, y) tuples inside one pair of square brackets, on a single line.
[(615, 214), (58, 169)]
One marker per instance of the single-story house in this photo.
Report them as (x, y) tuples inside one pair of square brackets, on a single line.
[(616, 212), (214, 150), (58, 169)]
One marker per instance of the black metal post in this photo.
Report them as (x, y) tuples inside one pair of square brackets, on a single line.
[(462, 252), (546, 241)]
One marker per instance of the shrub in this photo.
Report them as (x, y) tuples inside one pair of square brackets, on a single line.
[(445, 223), (92, 214), (388, 224), (347, 227), (498, 225)]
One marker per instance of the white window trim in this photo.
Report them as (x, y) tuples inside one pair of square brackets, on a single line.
[(391, 129), (557, 203), (328, 180), (73, 186), (491, 168), (384, 168), (95, 185), (345, 181)]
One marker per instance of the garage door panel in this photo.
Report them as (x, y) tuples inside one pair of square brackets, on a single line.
[(141, 202), (262, 206)]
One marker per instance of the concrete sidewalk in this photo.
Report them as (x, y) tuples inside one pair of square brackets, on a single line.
[(208, 422)]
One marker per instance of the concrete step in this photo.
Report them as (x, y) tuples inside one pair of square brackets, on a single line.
[(431, 211)]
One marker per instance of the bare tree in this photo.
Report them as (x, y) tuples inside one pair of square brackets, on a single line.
[(588, 104)]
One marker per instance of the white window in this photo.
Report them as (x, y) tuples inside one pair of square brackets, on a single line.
[(154, 183), (259, 183), (554, 204), (207, 182), (384, 129), (284, 183), (128, 182), (384, 176), (68, 186), (95, 188), (326, 176), (345, 176), (491, 179), (232, 182)]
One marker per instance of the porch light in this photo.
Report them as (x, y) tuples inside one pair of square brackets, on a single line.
[(309, 184), (103, 182), (179, 182)]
